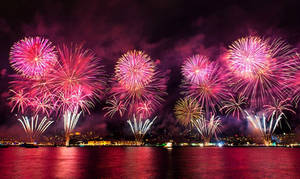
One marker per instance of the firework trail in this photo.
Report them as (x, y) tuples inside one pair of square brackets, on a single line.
[(187, 110), (33, 57), (33, 127), (137, 86), (209, 91), (70, 121), (207, 128), (235, 106), (266, 128), (260, 68), (140, 128)]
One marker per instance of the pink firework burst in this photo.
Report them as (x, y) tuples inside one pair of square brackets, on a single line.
[(33, 57), (211, 91), (134, 70), (132, 93), (260, 68), (196, 69), (249, 57), (77, 79)]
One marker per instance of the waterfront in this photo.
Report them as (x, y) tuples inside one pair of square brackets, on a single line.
[(146, 162)]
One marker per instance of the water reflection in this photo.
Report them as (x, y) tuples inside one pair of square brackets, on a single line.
[(146, 162)]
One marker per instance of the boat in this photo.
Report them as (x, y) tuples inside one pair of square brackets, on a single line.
[(29, 145), (3, 146)]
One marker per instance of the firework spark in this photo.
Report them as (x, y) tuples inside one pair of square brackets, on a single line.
[(235, 106), (33, 57), (187, 110), (140, 128), (207, 128), (260, 68), (33, 127), (266, 128)]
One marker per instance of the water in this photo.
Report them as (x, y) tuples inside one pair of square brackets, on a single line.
[(149, 162)]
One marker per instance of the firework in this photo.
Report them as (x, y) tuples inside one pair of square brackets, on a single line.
[(33, 57), (265, 128), (42, 105), (293, 82), (33, 127), (235, 106), (249, 57), (207, 128), (20, 100), (260, 68), (31, 95), (187, 110), (211, 91), (134, 70), (279, 107), (140, 128), (196, 69), (115, 105), (140, 96), (70, 121), (77, 79)]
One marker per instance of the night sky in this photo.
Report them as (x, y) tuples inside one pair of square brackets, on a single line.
[(167, 30)]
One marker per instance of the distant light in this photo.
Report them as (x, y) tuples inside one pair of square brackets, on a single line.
[(220, 144)]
